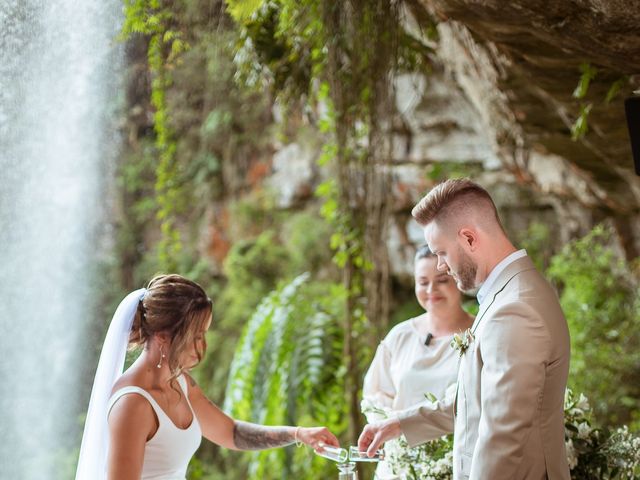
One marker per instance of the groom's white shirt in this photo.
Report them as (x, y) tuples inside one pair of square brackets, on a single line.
[(497, 270), (508, 409)]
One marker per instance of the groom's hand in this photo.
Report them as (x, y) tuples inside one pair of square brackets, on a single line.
[(375, 434)]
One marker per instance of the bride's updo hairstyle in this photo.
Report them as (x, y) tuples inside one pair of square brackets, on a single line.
[(177, 306)]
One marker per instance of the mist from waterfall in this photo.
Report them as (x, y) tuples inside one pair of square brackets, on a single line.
[(59, 78)]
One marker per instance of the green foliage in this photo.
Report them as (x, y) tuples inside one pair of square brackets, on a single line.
[(438, 172), (155, 20), (136, 183), (346, 240), (281, 45), (408, 309), (601, 305), (536, 241), (597, 454), (588, 73), (615, 88), (287, 370), (243, 10), (255, 213), (253, 268), (580, 127), (339, 56), (216, 121), (433, 459), (306, 238)]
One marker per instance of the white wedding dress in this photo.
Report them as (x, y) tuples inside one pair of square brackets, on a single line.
[(168, 452)]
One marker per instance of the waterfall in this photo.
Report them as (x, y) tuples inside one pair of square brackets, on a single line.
[(59, 76)]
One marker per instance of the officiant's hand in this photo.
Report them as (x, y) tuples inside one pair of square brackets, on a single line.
[(316, 437), (376, 434)]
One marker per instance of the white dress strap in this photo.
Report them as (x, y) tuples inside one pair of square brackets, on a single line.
[(132, 389), (182, 381)]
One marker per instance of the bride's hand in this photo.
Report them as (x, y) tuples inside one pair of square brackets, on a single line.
[(317, 437)]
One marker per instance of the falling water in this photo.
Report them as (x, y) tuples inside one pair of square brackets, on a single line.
[(58, 78)]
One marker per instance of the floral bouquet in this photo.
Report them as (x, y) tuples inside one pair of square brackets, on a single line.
[(593, 453), (596, 454), (430, 461)]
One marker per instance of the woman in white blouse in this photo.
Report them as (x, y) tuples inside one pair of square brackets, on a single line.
[(415, 359)]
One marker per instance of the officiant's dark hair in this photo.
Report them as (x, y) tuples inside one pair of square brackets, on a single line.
[(423, 251), (175, 305)]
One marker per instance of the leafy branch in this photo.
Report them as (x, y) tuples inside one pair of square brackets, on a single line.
[(152, 19), (588, 73)]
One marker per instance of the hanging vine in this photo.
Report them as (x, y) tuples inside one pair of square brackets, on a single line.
[(155, 20), (360, 55), (339, 56)]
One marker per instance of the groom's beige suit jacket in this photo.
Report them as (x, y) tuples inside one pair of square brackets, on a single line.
[(508, 408)]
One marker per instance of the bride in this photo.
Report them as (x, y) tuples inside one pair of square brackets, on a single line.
[(147, 422)]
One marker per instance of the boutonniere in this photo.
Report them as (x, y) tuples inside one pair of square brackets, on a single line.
[(462, 341)]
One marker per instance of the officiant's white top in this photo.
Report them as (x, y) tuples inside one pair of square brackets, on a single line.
[(403, 370), (168, 452)]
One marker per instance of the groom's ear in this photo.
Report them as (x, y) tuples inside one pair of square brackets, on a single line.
[(469, 239)]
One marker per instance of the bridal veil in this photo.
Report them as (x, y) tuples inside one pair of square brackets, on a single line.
[(93, 451)]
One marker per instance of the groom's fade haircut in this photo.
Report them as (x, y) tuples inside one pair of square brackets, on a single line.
[(454, 200)]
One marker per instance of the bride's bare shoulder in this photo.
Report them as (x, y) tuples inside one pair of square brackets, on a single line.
[(132, 415), (130, 407), (127, 379)]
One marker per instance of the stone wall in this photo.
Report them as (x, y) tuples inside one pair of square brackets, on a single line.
[(498, 106)]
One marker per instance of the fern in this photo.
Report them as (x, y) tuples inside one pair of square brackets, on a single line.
[(288, 370)]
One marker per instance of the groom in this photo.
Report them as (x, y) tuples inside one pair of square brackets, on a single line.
[(507, 414)]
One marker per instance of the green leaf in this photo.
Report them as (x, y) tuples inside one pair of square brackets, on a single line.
[(614, 89), (431, 397), (242, 10), (588, 74), (580, 127)]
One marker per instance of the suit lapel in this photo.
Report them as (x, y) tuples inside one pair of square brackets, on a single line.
[(513, 269)]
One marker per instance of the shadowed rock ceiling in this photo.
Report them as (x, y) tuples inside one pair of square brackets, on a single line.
[(519, 62)]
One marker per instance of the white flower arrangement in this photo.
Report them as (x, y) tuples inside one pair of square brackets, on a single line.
[(430, 461), (592, 453), (596, 454)]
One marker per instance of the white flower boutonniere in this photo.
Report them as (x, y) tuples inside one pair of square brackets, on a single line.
[(462, 341)]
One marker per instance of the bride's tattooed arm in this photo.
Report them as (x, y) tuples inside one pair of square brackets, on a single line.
[(249, 436), (223, 430)]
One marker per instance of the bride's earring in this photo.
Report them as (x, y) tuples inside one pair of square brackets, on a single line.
[(159, 365)]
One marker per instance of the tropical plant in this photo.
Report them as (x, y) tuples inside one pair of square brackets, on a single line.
[(288, 370)]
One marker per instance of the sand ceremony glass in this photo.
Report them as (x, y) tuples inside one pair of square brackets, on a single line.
[(346, 460)]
